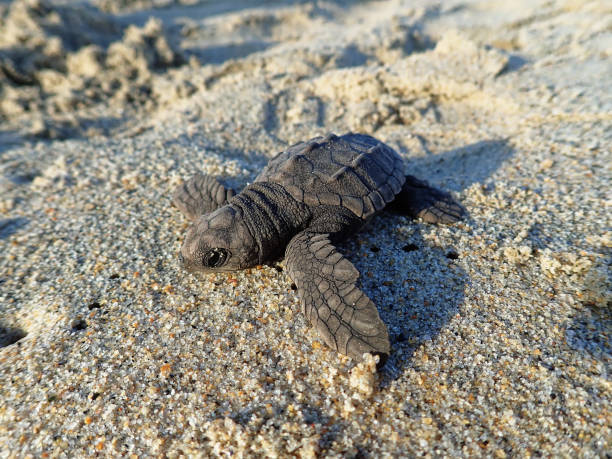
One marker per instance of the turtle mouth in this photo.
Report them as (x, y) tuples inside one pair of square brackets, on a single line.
[(185, 264)]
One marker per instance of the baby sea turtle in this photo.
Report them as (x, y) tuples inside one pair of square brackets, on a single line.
[(306, 199)]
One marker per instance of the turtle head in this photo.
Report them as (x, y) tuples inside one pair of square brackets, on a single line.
[(219, 241)]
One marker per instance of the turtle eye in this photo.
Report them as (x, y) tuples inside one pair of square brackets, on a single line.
[(215, 258)]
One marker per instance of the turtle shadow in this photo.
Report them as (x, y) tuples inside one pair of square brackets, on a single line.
[(461, 167), (418, 288)]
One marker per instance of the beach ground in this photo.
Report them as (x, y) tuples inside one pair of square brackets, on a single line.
[(500, 324)]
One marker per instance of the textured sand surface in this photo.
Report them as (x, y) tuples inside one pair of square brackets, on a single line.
[(500, 325)]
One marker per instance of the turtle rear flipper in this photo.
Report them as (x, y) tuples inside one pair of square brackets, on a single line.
[(419, 200), (200, 195), (344, 316)]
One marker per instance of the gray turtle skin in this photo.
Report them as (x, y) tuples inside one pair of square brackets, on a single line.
[(306, 199)]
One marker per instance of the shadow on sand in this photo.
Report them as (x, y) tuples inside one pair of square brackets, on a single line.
[(413, 311)]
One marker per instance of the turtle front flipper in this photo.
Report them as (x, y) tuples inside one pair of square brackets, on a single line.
[(419, 200), (344, 316), (200, 195)]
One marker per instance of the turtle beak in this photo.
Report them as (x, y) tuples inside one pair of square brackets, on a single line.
[(184, 264)]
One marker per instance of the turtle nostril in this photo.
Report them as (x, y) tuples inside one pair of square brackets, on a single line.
[(181, 259)]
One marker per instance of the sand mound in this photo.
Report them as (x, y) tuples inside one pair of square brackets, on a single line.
[(55, 60), (409, 89)]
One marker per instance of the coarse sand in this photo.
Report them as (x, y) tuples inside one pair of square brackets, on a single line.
[(500, 324)]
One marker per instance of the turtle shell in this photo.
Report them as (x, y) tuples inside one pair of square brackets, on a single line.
[(354, 170)]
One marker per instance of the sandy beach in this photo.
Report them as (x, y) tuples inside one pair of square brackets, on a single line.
[(500, 325)]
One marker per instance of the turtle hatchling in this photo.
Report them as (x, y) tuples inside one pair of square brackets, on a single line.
[(306, 199)]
